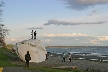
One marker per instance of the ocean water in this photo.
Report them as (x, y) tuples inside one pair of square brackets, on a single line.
[(102, 50)]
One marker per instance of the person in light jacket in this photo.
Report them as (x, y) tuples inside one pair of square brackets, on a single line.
[(63, 57), (70, 57)]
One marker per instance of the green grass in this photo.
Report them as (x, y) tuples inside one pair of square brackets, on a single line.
[(5, 60), (8, 50), (51, 69)]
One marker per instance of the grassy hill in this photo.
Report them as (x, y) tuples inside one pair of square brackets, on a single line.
[(6, 57)]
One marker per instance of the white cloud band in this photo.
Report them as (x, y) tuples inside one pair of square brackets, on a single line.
[(35, 28), (66, 39), (64, 35)]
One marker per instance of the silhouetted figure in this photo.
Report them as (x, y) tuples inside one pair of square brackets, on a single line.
[(63, 57), (32, 34), (35, 35), (70, 57), (27, 58), (46, 56)]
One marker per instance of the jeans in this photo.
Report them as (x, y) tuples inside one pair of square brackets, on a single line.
[(27, 63), (63, 59)]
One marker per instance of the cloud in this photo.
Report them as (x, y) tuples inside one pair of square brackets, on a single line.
[(64, 35), (74, 39), (91, 42), (93, 12), (83, 4), (15, 40), (65, 23), (35, 28), (103, 38)]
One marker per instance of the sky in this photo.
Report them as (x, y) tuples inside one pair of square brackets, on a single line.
[(57, 22)]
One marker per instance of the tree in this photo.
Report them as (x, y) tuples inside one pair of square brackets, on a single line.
[(3, 30)]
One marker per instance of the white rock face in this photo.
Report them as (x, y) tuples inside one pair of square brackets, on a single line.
[(35, 47)]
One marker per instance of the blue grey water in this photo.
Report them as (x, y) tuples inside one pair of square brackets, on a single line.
[(102, 50)]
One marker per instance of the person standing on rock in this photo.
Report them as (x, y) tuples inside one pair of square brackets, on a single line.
[(35, 35), (27, 58), (63, 57), (32, 34)]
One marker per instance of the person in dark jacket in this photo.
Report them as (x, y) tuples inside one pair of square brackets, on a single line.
[(35, 35), (27, 58)]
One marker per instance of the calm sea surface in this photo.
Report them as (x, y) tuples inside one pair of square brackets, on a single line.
[(79, 50)]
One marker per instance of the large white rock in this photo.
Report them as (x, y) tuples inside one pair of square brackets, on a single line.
[(35, 47)]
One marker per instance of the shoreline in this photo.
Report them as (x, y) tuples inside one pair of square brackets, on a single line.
[(76, 46), (56, 61)]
